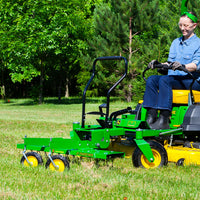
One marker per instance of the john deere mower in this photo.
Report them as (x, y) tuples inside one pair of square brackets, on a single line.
[(117, 134)]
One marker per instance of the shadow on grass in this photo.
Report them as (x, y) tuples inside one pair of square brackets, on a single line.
[(55, 101), (75, 100), (78, 100), (18, 102)]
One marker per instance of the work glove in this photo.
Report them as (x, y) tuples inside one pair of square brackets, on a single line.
[(177, 65), (164, 69), (152, 64)]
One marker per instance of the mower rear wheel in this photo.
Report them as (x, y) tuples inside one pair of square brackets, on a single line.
[(34, 158), (60, 161), (159, 153)]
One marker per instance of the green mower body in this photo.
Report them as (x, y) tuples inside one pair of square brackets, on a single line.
[(94, 141)]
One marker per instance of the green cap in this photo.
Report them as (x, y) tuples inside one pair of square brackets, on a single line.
[(185, 12)]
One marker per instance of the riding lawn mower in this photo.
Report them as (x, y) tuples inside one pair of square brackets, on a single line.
[(125, 133)]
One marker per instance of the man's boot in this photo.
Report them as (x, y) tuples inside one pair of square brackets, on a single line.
[(163, 120), (151, 115)]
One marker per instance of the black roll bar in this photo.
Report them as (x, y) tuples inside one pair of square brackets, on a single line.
[(109, 91)]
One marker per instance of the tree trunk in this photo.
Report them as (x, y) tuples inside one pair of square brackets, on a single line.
[(3, 92), (41, 84), (67, 88), (130, 39), (59, 91), (2, 84), (129, 91)]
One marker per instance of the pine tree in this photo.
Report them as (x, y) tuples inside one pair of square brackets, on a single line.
[(119, 29), (140, 30)]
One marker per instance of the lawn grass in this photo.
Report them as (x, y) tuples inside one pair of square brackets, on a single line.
[(84, 180)]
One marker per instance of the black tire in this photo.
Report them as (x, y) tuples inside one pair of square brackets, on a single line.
[(160, 156), (60, 161), (180, 162), (33, 157)]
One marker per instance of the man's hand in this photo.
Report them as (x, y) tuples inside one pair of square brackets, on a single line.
[(177, 65), (152, 64)]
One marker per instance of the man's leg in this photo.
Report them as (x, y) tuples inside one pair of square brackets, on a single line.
[(150, 98)]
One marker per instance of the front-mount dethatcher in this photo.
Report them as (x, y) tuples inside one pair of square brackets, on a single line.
[(149, 148)]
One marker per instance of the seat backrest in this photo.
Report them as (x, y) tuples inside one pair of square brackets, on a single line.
[(181, 96)]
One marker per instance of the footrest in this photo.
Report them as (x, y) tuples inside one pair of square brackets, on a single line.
[(95, 153), (104, 105)]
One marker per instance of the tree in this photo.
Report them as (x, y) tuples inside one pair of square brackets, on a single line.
[(138, 30), (44, 35), (60, 39), (120, 27)]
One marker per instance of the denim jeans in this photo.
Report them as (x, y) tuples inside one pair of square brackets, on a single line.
[(158, 93)]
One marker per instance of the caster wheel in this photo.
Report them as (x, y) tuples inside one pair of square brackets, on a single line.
[(33, 158), (60, 161)]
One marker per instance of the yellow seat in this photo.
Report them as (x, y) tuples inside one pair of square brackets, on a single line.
[(181, 96)]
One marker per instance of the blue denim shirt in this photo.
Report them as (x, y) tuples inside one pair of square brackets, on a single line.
[(185, 52)]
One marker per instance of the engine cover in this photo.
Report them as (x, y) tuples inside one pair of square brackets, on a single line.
[(191, 121)]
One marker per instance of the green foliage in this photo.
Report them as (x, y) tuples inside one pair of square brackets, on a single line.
[(121, 29), (44, 36), (44, 32), (138, 30), (62, 38)]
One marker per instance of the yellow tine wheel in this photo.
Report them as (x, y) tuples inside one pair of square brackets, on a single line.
[(34, 159), (60, 162)]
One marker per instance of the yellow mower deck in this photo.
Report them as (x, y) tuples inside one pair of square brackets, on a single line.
[(190, 156)]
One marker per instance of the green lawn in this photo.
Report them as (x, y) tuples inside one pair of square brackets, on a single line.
[(84, 180)]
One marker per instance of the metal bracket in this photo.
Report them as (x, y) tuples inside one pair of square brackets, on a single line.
[(171, 139), (30, 163), (56, 166)]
